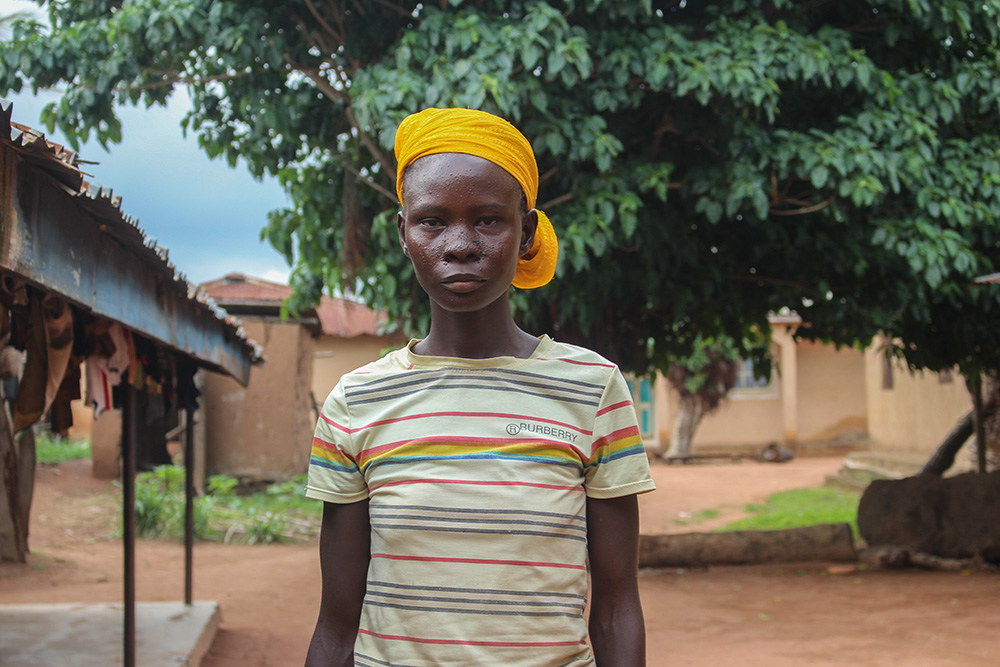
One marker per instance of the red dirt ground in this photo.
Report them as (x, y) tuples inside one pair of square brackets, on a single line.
[(808, 614)]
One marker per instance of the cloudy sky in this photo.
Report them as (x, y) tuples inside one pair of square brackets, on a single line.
[(208, 215)]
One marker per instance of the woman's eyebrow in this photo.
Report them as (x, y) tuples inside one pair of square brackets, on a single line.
[(421, 209)]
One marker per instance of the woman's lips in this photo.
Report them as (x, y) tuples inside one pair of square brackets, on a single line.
[(462, 283)]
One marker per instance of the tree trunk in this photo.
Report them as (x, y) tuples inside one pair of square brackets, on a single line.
[(991, 396), (944, 457), (685, 424), (13, 529), (826, 542)]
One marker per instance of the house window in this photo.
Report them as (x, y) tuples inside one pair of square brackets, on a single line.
[(746, 380), (645, 412)]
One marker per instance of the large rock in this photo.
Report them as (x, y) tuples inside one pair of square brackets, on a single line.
[(954, 517)]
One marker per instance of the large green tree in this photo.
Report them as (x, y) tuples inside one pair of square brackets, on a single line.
[(703, 162)]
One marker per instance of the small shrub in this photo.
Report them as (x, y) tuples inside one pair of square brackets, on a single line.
[(221, 485), (152, 511), (51, 449), (264, 528), (279, 513), (159, 505)]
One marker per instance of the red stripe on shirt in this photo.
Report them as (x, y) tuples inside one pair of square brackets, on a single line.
[(616, 406), (578, 363), (335, 424), (481, 561), (475, 482), (459, 642), (332, 447), (616, 436)]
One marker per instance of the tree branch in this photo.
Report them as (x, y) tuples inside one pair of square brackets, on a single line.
[(367, 180), (331, 91), (561, 199), (322, 22), (808, 209)]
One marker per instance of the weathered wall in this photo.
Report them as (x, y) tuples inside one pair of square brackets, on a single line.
[(336, 356), (910, 419), (263, 431)]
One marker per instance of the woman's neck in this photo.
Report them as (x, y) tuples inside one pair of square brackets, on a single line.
[(486, 333)]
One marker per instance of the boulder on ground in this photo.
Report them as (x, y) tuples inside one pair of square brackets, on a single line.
[(954, 517)]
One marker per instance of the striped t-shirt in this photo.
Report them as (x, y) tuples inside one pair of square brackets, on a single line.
[(478, 472)]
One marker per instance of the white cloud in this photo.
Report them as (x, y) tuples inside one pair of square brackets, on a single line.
[(208, 215)]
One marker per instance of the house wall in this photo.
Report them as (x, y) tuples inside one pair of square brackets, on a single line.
[(336, 356), (263, 431), (831, 384), (911, 419), (750, 418), (817, 394)]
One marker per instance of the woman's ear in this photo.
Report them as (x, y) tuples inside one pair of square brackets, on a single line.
[(401, 228), (529, 223)]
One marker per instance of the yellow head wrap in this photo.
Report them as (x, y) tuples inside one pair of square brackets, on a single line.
[(490, 137)]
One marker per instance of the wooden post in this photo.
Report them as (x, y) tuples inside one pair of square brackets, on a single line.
[(13, 535)]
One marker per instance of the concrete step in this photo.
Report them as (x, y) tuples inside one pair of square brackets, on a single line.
[(168, 634)]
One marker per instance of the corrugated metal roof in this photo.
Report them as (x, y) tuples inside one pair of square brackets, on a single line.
[(337, 317), (64, 167)]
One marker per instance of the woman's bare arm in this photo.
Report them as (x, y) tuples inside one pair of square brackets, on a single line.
[(617, 631), (344, 552)]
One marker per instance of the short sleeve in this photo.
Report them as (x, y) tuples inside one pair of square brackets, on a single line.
[(333, 473), (618, 465)]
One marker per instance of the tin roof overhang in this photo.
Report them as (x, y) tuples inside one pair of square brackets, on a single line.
[(71, 238)]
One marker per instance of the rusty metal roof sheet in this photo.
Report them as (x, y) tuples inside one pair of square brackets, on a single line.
[(64, 167)]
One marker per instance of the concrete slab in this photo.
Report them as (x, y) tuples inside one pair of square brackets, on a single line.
[(168, 634)]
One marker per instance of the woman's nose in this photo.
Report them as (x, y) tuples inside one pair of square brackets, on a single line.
[(461, 244)]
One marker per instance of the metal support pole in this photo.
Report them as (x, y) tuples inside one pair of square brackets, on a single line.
[(129, 434), (188, 504)]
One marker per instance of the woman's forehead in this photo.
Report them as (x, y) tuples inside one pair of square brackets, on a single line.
[(444, 168)]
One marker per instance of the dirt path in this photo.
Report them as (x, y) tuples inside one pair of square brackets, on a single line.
[(775, 616)]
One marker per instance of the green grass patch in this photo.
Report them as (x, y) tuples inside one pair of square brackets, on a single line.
[(802, 507), (279, 513), (50, 449)]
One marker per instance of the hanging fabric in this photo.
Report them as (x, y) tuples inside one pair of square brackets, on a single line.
[(107, 365)]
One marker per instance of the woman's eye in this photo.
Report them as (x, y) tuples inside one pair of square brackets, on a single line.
[(488, 222), (430, 222)]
